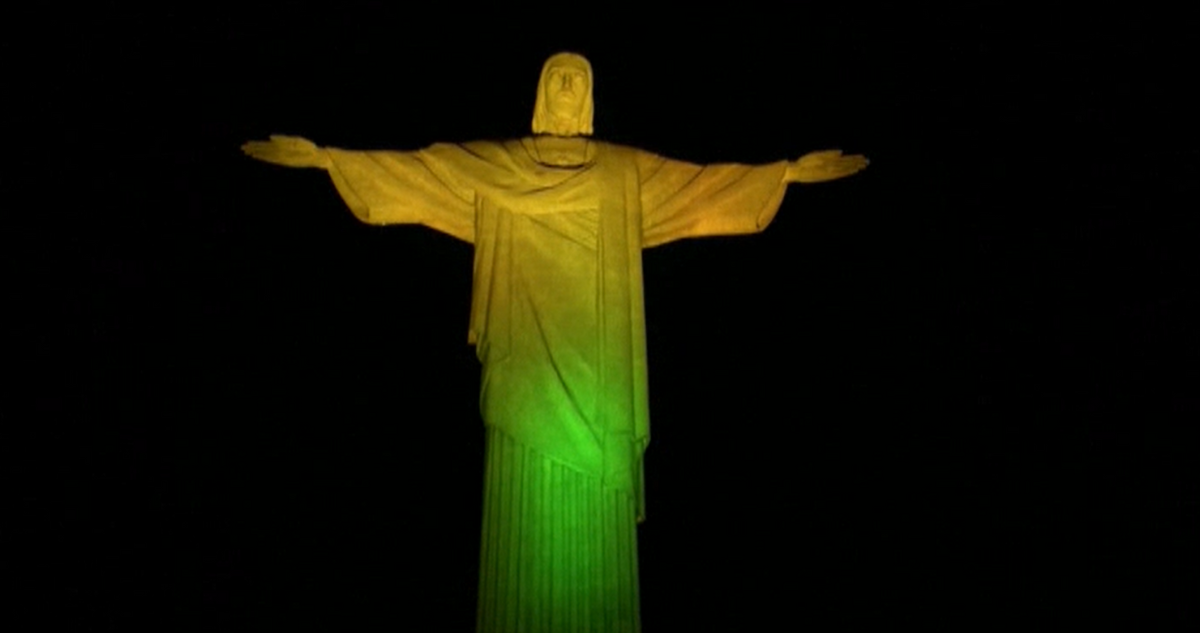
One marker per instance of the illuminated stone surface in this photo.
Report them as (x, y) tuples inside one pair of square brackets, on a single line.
[(558, 221)]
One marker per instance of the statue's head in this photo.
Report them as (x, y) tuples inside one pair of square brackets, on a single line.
[(564, 98)]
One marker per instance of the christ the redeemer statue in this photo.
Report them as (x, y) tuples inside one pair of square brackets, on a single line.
[(558, 221)]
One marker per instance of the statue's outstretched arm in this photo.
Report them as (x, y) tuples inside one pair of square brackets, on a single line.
[(289, 151), (824, 165), (383, 187)]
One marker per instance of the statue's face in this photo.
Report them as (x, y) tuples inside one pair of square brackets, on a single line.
[(567, 89), (564, 97)]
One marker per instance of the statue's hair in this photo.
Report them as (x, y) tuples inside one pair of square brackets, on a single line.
[(541, 115)]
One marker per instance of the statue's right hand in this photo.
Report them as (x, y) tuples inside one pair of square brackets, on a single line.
[(290, 151)]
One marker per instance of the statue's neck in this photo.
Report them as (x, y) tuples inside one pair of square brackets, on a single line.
[(562, 126), (562, 151)]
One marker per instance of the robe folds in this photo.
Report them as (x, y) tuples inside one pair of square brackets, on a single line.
[(557, 312)]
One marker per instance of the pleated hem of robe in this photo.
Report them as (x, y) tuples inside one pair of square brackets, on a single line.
[(559, 551)]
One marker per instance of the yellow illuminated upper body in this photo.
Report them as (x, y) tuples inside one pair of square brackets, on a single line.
[(558, 222)]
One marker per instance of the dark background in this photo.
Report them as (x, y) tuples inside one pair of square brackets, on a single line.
[(956, 390)]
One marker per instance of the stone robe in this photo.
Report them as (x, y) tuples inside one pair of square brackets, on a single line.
[(557, 320)]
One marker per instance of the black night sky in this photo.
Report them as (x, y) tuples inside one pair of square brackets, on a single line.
[(955, 391)]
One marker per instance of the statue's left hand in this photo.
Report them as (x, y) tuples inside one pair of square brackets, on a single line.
[(828, 164)]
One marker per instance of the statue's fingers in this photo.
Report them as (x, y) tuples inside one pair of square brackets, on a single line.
[(853, 167), (265, 153), (253, 148), (823, 155), (269, 152)]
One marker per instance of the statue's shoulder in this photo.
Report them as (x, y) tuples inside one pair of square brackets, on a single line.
[(482, 146), (616, 149)]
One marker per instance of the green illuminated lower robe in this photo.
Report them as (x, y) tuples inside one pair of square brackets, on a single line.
[(558, 325), (559, 548)]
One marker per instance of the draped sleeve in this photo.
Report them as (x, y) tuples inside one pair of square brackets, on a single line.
[(681, 199), (427, 186)]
